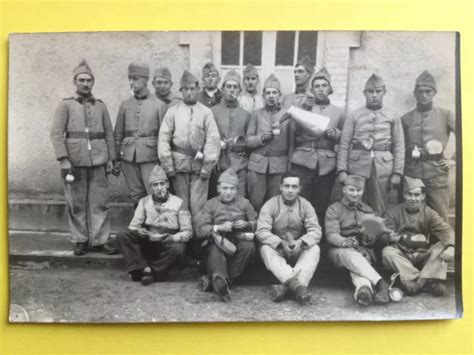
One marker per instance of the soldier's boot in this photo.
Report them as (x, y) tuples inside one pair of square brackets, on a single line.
[(279, 292), (381, 295), (364, 296), (221, 287), (136, 275), (301, 292), (147, 277), (80, 248), (204, 283), (435, 288), (411, 287)]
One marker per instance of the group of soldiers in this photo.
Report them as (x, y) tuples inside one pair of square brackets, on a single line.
[(224, 174)]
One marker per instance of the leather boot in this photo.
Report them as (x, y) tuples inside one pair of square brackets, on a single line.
[(364, 296), (435, 288), (147, 277), (301, 292), (221, 288), (381, 295), (80, 248), (278, 292)]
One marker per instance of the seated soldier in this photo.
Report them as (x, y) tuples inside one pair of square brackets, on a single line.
[(421, 244), (228, 222), (157, 234), (289, 232), (351, 248)]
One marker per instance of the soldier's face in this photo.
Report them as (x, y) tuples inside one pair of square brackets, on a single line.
[(374, 97), (160, 188), (251, 83), (321, 89), (189, 93), (290, 188), (162, 86), (211, 80), (271, 96), (231, 90), (137, 83), (424, 95), (353, 193), (227, 192), (83, 83), (414, 197), (301, 75)]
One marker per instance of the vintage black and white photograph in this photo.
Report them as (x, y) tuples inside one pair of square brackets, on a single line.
[(234, 176)]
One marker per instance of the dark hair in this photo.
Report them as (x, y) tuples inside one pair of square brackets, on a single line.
[(289, 174)]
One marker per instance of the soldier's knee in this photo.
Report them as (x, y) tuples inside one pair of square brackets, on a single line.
[(248, 246), (315, 250), (388, 253)]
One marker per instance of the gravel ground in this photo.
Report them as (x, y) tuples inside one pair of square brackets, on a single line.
[(88, 295)]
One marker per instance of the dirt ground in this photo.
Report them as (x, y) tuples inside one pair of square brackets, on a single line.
[(91, 295)]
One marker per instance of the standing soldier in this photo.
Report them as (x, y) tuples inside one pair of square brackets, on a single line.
[(232, 122), (250, 100), (163, 81), (233, 218), (421, 244), (189, 145), (270, 141), (136, 132), (289, 232), (304, 69), (372, 146), (314, 157), (351, 248), (83, 142), (210, 95), (427, 130)]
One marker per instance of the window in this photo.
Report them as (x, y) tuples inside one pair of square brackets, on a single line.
[(293, 45), (241, 47)]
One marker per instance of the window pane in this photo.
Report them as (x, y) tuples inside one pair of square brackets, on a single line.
[(285, 47), (230, 47), (308, 41), (253, 48)]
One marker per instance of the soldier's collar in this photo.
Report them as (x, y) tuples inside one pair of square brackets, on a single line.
[(81, 98), (301, 89), (162, 199), (231, 104), (374, 107), (324, 102), (424, 108), (273, 109), (352, 205)]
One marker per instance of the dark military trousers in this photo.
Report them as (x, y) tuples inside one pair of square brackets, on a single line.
[(229, 266), (139, 252), (192, 190), (437, 194), (378, 193), (315, 188), (262, 187), (86, 199), (137, 178)]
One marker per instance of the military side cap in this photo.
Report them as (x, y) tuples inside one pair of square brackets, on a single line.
[(188, 79), (157, 174), (230, 177), (374, 82), (82, 68), (250, 70), (209, 68), (163, 73), (139, 69), (355, 180), (232, 75), (322, 74), (411, 183), (272, 82), (426, 79), (307, 64)]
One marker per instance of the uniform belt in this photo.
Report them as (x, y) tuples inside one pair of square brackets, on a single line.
[(276, 153), (317, 145), (85, 135), (134, 133), (379, 147), (186, 151), (425, 157)]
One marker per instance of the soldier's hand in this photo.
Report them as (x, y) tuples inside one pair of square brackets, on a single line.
[(395, 180), (354, 242), (109, 167), (224, 227), (204, 175), (240, 224), (368, 239), (444, 164), (117, 168), (172, 238), (171, 174), (394, 237), (157, 237), (330, 133), (448, 254), (297, 246), (142, 232), (266, 136), (66, 167), (308, 102), (342, 176)]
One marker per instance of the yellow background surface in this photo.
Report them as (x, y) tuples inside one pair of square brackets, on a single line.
[(443, 337)]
